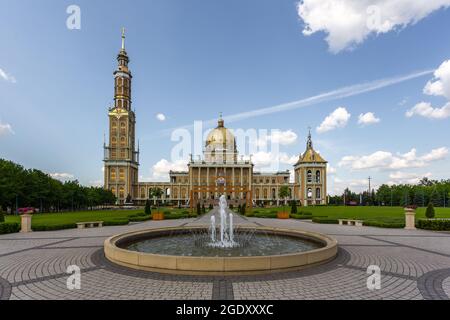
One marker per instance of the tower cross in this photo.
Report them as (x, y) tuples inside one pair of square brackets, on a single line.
[(123, 38)]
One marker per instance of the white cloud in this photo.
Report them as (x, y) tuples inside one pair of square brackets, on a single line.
[(161, 117), (368, 118), (399, 177), (337, 119), (283, 138), (331, 170), (5, 128), (264, 159), (7, 77), (439, 86), (349, 22), (62, 176), (388, 161), (160, 171), (425, 109)]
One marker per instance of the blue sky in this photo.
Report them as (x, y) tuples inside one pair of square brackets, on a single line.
[(193, 59)]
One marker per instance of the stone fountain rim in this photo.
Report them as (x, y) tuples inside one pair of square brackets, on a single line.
[(190, 265)]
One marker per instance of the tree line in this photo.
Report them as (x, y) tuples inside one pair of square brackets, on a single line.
[(421, 195), (20, 187)]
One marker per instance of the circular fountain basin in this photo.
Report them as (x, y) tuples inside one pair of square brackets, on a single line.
[(172, 250)]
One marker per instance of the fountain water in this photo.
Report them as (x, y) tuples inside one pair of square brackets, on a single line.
[(226, 229)]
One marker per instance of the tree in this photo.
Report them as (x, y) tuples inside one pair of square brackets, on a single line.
[(430, 211), (155, 193), (203, 209), (199, 209), (283, 193), (147, 210)]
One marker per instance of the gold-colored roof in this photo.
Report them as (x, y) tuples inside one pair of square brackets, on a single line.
[(221, 137), (311, 155)]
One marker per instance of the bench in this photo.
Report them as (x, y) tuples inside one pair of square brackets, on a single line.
[(350, 222), (94, 224)]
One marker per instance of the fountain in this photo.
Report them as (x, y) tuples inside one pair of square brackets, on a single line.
[(226, 229), (223, 249)]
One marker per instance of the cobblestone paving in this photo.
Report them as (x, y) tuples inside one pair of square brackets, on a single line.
[(414, 265)]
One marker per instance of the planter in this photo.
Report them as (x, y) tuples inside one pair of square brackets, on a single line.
[(158, 216), (283, 215), (410, 217)]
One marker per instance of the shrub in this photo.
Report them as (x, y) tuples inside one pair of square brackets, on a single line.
[(305, 213), (243, 210), (147, 210), (199, 209), (434, 224), (255, 211), (299, 216), (9, 227), (203, 209), (430, 211), (250, 214), (325, 220), (174, 216), (211, 207)]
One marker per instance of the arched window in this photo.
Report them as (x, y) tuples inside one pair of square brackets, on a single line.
[(122, 142), (113, 175), (309, 176), (143, 193), (310, 193), (317, 176), (122, 175), (318, 193), (265, 193), (122, 192), (257, 193), (113, 142), (274, 193)]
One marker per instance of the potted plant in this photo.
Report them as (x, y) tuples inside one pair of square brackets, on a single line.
[(283, 193), (155, 193)]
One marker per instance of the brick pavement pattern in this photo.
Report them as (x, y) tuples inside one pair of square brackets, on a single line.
[(414, 265)]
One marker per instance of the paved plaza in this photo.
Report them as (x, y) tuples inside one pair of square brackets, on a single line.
[(414, 265)]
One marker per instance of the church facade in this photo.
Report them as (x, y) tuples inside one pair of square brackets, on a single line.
[(220, 171)]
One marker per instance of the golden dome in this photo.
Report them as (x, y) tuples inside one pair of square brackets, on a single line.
[(221, 138)]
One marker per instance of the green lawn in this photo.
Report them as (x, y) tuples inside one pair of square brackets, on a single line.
[(370, 214)]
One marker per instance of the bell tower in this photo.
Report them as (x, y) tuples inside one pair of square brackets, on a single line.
[(120, 155)]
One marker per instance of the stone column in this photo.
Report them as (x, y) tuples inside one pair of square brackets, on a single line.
[(26, 223), (410, 217)]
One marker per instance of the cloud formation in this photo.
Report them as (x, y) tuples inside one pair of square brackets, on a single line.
[(5, 129), (388, 161), (438, 86), (7, 77), (368, 118), (337, 119), (62, 176), (161, 117), (348, 23)]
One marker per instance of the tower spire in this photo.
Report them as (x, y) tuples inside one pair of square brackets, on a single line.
[(309, 144), (221, 122), (123, 39)]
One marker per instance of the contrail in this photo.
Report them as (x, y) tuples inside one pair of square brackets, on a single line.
[(340, 93)]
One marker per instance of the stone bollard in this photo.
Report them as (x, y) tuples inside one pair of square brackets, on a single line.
[(410, 219), (26, 223)]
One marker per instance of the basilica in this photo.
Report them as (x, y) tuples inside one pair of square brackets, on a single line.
[(220, 171)]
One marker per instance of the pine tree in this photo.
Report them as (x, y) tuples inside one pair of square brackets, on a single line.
[(203, 209), (147, 210), (293, 207), (199, 209), (430, 211)]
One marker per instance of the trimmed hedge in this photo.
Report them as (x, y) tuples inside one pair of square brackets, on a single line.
[(270, 215), (9, 227), (118, 222), (53, 227), (174, 216), (301, 217), (434, 224), (325, 220), (139, 218), (381, 224)]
